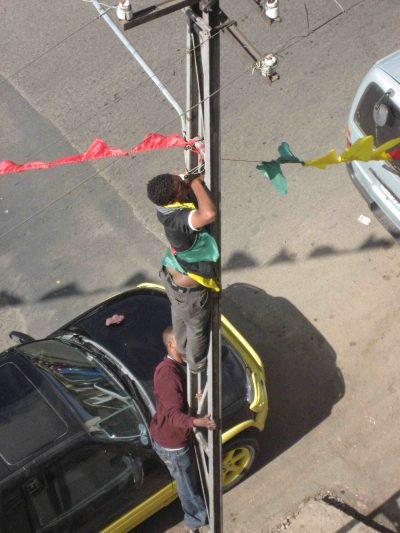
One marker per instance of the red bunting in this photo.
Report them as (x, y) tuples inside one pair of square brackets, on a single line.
[(98, 150), (395, 154)]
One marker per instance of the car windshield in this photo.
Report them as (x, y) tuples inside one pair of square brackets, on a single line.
[(364, 118), (96, 396)]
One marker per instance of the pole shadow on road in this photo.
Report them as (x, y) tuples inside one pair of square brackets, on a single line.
[(385, 518), (303, 381)]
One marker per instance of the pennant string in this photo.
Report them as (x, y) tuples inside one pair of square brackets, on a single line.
[(361, 150), (99, 150)]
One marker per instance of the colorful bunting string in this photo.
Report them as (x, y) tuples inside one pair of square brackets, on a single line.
[(362, 150), (98, 150)]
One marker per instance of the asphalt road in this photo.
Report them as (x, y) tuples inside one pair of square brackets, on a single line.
[(315, 291)]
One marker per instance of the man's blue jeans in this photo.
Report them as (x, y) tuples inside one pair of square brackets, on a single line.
[(182, 466)]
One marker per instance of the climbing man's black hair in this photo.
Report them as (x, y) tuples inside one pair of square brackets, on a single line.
[(160, 189)]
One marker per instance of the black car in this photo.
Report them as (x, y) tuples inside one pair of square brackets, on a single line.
[(75, 450)]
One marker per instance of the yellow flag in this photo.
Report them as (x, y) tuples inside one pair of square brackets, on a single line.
[(322, 162), (381, 151), (361, 150)]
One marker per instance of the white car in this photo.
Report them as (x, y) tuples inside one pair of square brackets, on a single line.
[(376, 111)]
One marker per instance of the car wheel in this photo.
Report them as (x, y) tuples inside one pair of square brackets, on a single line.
[(238, 456)]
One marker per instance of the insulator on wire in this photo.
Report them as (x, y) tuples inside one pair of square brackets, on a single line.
[(124, 10), (267, 66), (272, 10)]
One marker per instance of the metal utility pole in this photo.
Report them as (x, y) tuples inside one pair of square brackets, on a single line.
[(201, 119), (212, 137), (203, 84)]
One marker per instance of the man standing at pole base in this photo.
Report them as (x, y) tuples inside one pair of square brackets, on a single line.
[(185, 208), (172, 431)]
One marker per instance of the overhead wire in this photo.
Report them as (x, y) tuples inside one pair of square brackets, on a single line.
[(143, 82), (102, 5), (223, 87), (47, 206), (77, 30), (53, 202), (97, 113)]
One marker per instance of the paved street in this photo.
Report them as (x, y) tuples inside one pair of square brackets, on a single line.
[(315, 292)]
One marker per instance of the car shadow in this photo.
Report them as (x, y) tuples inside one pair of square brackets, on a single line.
[(303, 381)]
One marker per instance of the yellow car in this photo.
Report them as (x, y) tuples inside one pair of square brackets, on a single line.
[(76, 453)]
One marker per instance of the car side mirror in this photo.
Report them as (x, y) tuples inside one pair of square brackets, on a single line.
[(381, 111), (381, 114), (20, 338)]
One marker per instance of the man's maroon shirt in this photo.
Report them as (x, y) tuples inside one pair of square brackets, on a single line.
[(171, 426)]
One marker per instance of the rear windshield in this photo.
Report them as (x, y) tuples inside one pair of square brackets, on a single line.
[(27, 421), (137, 342), (365, 120)]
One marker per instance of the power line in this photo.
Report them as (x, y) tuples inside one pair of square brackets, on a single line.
[(233, 80), (96, 114), (52, 48), (148, 78), (50, 204)]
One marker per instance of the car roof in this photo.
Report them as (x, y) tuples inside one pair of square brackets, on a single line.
[(391, 65)]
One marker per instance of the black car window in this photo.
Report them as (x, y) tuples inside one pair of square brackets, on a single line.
[(365, 120), (234, 382), (96, 396), (27, 421)]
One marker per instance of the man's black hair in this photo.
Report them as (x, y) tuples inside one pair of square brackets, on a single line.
[(160, 189)]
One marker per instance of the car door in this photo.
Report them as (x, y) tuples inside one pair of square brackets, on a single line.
[(93, 485)]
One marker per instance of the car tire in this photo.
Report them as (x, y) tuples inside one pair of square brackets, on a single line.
[(238, 456)]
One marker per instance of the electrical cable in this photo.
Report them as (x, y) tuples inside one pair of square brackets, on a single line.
[(97, 113), (233, 80), (50, 204), (192, 107), (101, 4), (52, 48), (241, 160), (148, 78)]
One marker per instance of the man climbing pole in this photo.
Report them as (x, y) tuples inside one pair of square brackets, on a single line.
[(185, 208), (172, 431)]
